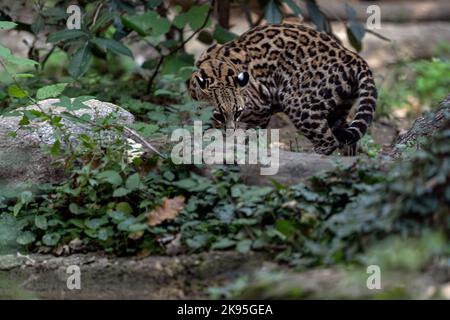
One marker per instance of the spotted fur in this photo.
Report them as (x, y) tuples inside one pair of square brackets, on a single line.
[(294, 69)]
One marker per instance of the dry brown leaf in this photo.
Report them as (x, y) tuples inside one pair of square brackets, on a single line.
[(168, 210)]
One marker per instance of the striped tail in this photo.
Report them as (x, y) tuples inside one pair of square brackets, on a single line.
[(367, 98)]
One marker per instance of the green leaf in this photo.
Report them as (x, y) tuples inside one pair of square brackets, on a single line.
[(51, 91), (186, 184), (149, 23), (118, 216), (355, 33), (137, 227), (125, 225), (124, 207), (25, 237), (172, 64), (80, 61), (78, 103), (104, 233), (24, 121), (272, 13), (104, 19), (152, 4), (195, 17), (110, 176), (16, 92), (113, 46), (121, 192), (316, 16), (76, 209), (95, 223), (285, 227), (21, 61), (40, 222), (223, 243), (223, 35), (133, 182), (24, 75), (5, 52), (66, 35), (51, 239), (55, 150), (7, 25), (294, 7), (37, 25), (26, 197), (77, 222), (244, 246)]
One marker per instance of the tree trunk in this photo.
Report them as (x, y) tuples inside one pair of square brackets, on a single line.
[(424, 126)]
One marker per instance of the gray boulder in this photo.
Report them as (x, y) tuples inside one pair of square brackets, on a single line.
[(22, 159)]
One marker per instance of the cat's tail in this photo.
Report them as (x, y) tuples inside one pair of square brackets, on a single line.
[(367, 99)]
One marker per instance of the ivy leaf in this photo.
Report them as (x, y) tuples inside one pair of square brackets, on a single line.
[(76, 209), (121, 192), (110, 176), (185, 184), (95, 223), (51, 91), (26, 197), (40, 222), (51, 239), (124, 207), (25, 238), (273, 14), (223, 243), (285, 227), (244, 246), (113, 46), (133, 182)]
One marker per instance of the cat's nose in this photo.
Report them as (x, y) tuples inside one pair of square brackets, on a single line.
[(230, 124)]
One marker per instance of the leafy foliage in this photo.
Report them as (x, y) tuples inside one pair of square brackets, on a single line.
[(120, 200)]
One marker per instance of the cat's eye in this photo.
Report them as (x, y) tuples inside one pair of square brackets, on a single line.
[(237, 114), (242, 78), (201, 82), (218, 116)]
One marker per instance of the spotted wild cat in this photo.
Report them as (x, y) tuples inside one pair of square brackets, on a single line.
[(294, 69)]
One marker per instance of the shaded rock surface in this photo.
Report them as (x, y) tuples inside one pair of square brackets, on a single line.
[(22, 159), (103, 277), (295, 167), (189, 276)]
